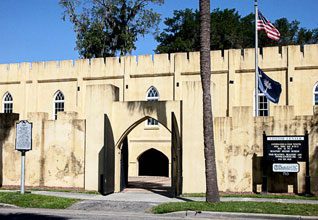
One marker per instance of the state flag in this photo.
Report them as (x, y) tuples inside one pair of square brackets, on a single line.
[(269, 87)]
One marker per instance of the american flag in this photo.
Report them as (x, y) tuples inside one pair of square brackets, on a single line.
[(264, 24)]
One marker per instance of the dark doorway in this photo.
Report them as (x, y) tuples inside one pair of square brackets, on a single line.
[(153, 163), (124, 164)]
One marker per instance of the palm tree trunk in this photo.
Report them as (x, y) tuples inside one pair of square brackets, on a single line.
[(212, 191)]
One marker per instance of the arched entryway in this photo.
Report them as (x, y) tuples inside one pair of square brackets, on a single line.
[(153, 163), (143, 166), (158, 172)]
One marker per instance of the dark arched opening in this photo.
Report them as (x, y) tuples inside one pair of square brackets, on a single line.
[(153, 163)]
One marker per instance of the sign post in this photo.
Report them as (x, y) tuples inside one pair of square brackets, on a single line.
[(284, 152), (23, 144)]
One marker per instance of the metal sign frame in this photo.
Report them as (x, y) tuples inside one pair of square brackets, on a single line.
[(23, 143), (302, 148), (20, 142), (285, 149)]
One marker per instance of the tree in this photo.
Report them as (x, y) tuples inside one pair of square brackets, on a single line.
[(212, 191), (181, 34), (109, 27), (228, 30)]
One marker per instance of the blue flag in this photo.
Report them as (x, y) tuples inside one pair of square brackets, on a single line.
[(269, 87)]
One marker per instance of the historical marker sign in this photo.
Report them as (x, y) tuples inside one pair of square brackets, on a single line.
[(285, 149), (23, 143), (23, 136)]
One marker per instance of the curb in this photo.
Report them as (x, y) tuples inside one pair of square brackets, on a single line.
[(237, 215)]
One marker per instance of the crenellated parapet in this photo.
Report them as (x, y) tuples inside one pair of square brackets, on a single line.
[(302, 57)]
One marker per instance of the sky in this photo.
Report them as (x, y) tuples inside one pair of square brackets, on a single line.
[(33, 30)]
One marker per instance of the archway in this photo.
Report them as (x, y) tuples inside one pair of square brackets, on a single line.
[(153, 163), (146, 164)]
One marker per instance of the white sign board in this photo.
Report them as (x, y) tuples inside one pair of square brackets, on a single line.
[(23, 136), (286, 167)]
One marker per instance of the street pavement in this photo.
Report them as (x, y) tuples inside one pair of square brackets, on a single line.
[(39, 214)]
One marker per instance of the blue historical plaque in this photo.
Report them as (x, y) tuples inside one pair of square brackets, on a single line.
[(23, 136), (286, 149)]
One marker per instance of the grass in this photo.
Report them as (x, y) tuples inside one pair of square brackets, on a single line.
[(245, 207), (35, 201), (268, 196), (54, 190)]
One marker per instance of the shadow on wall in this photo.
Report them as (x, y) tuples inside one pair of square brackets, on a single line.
[(148, 107), (313, 160), (276, 182), (314, 171), (106, 163), (7, 122), (124, 164)]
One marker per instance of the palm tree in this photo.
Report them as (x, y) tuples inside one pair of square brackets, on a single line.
[(212, 191)]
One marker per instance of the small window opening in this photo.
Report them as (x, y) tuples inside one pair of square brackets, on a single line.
[(7, 103), (263, 105), (152, 95), (58, 103)]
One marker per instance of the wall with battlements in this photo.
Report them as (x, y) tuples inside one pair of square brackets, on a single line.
[(33, 85), (177, 78)]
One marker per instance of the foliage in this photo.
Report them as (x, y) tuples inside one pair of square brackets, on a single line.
[(245, 207), (228, 30), (36, 201), (181, 34), (108, 27)]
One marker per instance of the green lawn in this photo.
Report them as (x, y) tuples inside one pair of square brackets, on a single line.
[(29, 200), (268, 196), (246, 207)]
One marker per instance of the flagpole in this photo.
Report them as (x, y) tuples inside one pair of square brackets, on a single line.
[(256, 59)]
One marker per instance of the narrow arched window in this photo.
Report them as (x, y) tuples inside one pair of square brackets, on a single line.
[(152, 95), (7, 103), (58, 103), (263, 105), (316, 94)]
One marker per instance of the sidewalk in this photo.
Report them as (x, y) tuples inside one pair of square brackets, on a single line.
[(137, 203), (145, 196)]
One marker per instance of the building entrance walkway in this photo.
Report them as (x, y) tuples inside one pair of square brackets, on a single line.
[(143, 184)]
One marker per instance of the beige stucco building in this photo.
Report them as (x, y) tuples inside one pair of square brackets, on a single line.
[(95, 122)]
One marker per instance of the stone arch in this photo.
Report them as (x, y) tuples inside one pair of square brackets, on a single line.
[(131, 127), (153, 162)]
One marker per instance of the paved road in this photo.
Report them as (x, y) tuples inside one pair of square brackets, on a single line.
[(39, 214)]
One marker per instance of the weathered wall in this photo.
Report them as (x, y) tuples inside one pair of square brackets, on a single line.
[(237, 139), (98, 87), (7, 135), (57, 155)]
